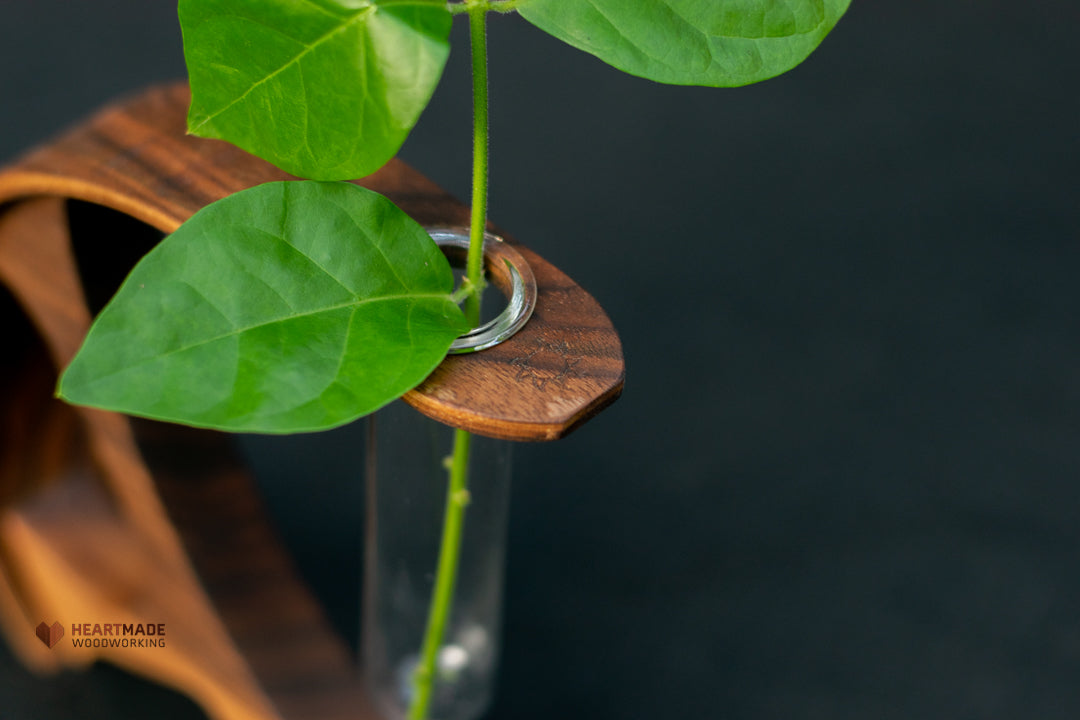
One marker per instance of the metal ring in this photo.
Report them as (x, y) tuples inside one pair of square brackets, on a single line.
[(507, 270)]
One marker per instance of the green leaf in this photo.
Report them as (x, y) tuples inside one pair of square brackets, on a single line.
[(719, 43), (289, 307), (323, 89)]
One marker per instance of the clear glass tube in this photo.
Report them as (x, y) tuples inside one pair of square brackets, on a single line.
[(406, 496)]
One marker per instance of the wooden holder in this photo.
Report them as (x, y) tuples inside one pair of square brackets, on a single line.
[(104, 520)]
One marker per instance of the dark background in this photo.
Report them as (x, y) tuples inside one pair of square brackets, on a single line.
[(842, 479)]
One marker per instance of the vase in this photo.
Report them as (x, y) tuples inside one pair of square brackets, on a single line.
[(410, 501), (406, 496)]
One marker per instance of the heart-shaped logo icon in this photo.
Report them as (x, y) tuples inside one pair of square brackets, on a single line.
[(50, 634)]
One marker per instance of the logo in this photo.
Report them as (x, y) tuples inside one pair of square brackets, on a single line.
[(50, 634), (105, 635)]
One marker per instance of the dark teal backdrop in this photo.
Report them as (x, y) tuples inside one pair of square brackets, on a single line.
[(843, 479)]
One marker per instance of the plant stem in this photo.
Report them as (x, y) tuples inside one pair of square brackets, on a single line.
[(474, 268), (457, 496), (500, 6)]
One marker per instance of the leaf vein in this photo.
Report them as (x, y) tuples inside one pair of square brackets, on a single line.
[(348, 22), (354, 304)]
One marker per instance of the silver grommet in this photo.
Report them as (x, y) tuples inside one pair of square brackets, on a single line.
[(507, 270)]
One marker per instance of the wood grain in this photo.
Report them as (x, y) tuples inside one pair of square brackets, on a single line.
[(107, 521), (564, 367)]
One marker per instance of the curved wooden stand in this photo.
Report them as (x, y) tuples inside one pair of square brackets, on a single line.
[(561, 369), (108, 521)]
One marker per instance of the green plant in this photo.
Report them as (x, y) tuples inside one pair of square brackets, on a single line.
[(300, 306)]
